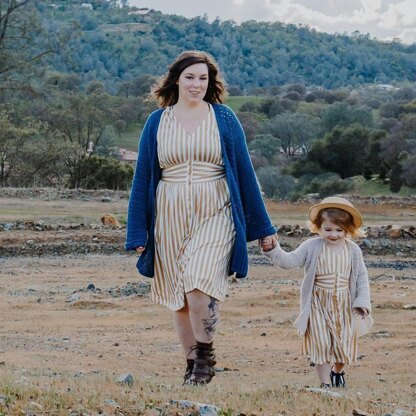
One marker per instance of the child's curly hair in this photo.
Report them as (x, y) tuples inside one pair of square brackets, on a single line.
[(339, 217)]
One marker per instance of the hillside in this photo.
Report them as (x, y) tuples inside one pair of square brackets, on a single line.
[(113, 44)]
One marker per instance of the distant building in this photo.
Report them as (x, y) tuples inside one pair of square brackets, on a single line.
[(86, 6), (385, 87), (139, 12), (127, 156)]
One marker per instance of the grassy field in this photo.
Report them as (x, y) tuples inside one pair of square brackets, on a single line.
[(375, 187), (129, 139), (90, 211)]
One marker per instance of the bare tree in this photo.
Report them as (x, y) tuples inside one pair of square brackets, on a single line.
[(24, 42)]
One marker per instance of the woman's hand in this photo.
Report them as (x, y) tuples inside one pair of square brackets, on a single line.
[(268, 243), (139, 250), (363, 312)]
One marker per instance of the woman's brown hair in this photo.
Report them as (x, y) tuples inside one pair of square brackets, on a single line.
[(339, 217), (166, 91)]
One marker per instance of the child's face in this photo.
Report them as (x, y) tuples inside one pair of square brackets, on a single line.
[(333, 234)]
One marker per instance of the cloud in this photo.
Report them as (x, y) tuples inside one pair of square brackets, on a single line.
[(381, 18)]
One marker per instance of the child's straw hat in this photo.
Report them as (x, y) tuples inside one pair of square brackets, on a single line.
[(336, 202)]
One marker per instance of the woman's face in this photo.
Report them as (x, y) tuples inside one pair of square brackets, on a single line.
[(193, 83)]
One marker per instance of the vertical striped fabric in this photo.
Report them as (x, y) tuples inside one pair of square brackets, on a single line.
[(194, 231), (330, 336)]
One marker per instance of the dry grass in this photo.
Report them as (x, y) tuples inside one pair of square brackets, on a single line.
[(59, 356), (79, 211)]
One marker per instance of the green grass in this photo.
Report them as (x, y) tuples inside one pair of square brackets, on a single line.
[(376, 187), (129, 139), (235, 102)]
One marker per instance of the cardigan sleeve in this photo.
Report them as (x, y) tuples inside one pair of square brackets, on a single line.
[(257, 220), (287, 260), (362, 299), (137, 218)]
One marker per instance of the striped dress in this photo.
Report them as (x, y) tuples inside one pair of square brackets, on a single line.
[(330, 336), (194, 230)]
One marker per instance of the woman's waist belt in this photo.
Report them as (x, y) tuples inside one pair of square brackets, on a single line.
[(191, 172)]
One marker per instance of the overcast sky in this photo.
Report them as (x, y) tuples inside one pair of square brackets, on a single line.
[(383, 19)]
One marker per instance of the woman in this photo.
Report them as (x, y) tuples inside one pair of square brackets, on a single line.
[(193, 205)]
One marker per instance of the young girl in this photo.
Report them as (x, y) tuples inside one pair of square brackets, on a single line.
[(334, 288)]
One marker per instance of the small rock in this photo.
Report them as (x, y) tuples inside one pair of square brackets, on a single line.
[(91, 286), (203, 409), (106, 199), (409, 307), (382, 334), (73, 298), (126, 379), (359, 412), (109, 220), (110, 406), (3, 400), (36, 405), (325, 392), (401, 412), (393, 232)]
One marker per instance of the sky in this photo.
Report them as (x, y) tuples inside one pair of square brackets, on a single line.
[(382, 19)]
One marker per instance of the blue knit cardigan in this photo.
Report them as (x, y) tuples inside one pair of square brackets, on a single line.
[(250, 217)]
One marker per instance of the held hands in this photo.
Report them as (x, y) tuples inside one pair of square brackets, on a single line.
[(268, 243), (363, 312)]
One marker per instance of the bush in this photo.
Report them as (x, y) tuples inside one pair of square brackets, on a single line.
[(100, 172), (274, 184), (326, 184)]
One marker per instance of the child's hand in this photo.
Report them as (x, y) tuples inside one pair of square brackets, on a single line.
[(362, 311), (268, 243), (139, 250)]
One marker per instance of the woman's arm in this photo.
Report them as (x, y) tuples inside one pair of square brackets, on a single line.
[(137, 220), (258, 222)]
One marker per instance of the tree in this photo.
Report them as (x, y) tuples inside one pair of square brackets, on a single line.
[(374, 164), (341, 114), (294, 131), (24, 42), (265, 145), (82, 120), (274, 184), (12, 138), (409, 171), (343, 151), (42, 160), (99, 172)]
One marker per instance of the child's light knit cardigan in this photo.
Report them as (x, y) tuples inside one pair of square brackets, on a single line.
[(307, 255)]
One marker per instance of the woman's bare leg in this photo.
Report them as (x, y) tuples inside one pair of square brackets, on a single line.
[(184, 330), (203, 315)]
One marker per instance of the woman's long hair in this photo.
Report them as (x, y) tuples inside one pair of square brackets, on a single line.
[(166, 91)]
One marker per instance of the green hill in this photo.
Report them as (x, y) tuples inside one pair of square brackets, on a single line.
[(113, 45)]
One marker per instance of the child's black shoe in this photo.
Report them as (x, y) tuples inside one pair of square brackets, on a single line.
[(337, 379)]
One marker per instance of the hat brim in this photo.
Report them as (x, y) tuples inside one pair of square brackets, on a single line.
[(356, 216)]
